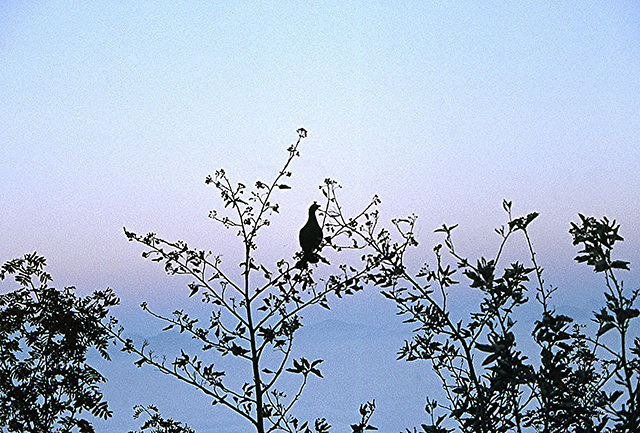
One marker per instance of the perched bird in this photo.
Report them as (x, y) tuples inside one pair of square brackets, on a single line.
[(310, 238)]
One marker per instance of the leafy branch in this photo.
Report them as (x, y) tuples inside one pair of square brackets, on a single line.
[(253, 314)]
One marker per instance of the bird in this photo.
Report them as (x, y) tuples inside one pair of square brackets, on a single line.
[(310, 238)]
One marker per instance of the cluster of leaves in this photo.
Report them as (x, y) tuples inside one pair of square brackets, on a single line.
[(366, 412), (254, 315), (45, 333), (490, 385), (156, 423), (621, 358)]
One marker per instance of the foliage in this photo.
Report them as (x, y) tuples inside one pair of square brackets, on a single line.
[(45, 333), (254, 316), (156, 423), (490, 385), (579, 377), (366, 412)]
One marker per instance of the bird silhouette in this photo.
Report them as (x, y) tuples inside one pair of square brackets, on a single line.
[(310, 238)]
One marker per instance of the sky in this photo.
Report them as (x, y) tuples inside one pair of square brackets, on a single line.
[(113, 113)]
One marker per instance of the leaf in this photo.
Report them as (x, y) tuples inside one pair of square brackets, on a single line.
[(238, 350), (506, 205), (619, 264), (101, 410), (605, 328), (631, 313), (614, 396), (283, 186), (316, 372), (445, 229), (489, 359)]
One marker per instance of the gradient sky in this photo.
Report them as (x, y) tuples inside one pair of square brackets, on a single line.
[(112, 114)]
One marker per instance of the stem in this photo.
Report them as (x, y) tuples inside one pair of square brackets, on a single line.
[(286, 410), (255, 357), (278, 372), (263, 208), (537, 268)]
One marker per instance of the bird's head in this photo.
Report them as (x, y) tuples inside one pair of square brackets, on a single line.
[(314, 207)]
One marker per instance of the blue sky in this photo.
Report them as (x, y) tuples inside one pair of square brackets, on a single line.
[(113, 113)]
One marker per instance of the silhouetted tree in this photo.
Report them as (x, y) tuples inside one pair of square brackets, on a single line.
[(490, 385), (45, 381), (254, 315)]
